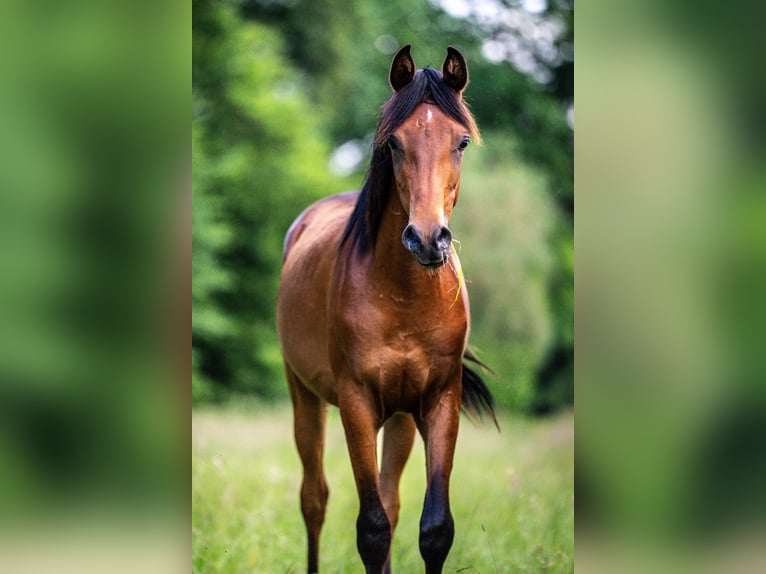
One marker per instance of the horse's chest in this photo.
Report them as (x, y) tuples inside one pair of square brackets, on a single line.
[(393, 361), (405, 353), (401, 343), (402, 378)]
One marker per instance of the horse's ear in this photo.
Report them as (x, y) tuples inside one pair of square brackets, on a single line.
[(402, 69), (455, 70)]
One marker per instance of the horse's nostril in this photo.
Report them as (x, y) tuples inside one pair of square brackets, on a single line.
[(443, 238), (411, 239)]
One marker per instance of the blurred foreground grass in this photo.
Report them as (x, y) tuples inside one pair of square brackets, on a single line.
[(512, 497)]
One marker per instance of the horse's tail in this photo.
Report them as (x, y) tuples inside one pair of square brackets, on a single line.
[(477, 398)]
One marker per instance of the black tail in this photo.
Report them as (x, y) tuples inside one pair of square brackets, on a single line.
[(477, 398)]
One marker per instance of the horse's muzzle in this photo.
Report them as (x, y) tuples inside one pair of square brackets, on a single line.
[(431, 254)]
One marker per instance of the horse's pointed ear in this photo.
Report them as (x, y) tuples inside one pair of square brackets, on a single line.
[(455, 70), (402, 69)]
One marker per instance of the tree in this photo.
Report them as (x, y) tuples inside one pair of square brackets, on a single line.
[(259, 159)]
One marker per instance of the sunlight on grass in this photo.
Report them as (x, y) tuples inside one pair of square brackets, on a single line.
[(512, 497)]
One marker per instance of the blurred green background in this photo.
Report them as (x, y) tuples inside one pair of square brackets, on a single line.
[(671, 277), (94, 170), (285, 100)]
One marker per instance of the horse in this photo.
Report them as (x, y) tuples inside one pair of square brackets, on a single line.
[(373, 317)]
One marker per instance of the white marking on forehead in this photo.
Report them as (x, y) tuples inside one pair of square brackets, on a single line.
[(421, 123)]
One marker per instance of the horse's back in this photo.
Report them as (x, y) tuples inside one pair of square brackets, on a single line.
[(310, 254), (327, 214)]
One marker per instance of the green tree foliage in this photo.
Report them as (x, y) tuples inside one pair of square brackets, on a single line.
[(259, 159)]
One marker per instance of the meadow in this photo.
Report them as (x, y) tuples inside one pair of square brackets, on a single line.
[(512, 496)]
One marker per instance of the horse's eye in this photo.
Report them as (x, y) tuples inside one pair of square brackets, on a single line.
[(393, 143), (464, 144)]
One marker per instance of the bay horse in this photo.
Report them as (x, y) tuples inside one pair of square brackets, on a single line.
[(373, 315)]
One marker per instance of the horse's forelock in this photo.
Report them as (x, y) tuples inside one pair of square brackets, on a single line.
[(427, 86)]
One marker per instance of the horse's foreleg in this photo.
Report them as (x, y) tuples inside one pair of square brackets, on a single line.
[(439, 429), (398, 436), (310, 414), (373, 529)]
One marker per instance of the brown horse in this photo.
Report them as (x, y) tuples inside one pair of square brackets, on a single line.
[(372, 314)]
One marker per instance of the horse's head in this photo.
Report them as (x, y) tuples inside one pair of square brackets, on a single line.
[(422, 132), (427, 151)]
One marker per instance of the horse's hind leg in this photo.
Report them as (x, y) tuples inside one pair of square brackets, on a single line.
[(309, 416), (398, 436)]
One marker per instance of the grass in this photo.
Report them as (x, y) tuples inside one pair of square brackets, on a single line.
[(511, 495)]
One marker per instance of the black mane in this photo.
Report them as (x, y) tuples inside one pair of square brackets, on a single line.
[(427, 86)]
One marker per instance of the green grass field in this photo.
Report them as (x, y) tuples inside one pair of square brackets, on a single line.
[(512, 497)]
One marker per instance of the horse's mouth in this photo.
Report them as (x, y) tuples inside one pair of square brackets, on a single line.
[(432, 264)]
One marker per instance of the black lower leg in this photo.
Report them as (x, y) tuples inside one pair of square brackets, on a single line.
[(313, 556), (437, 528), (373, 534)]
